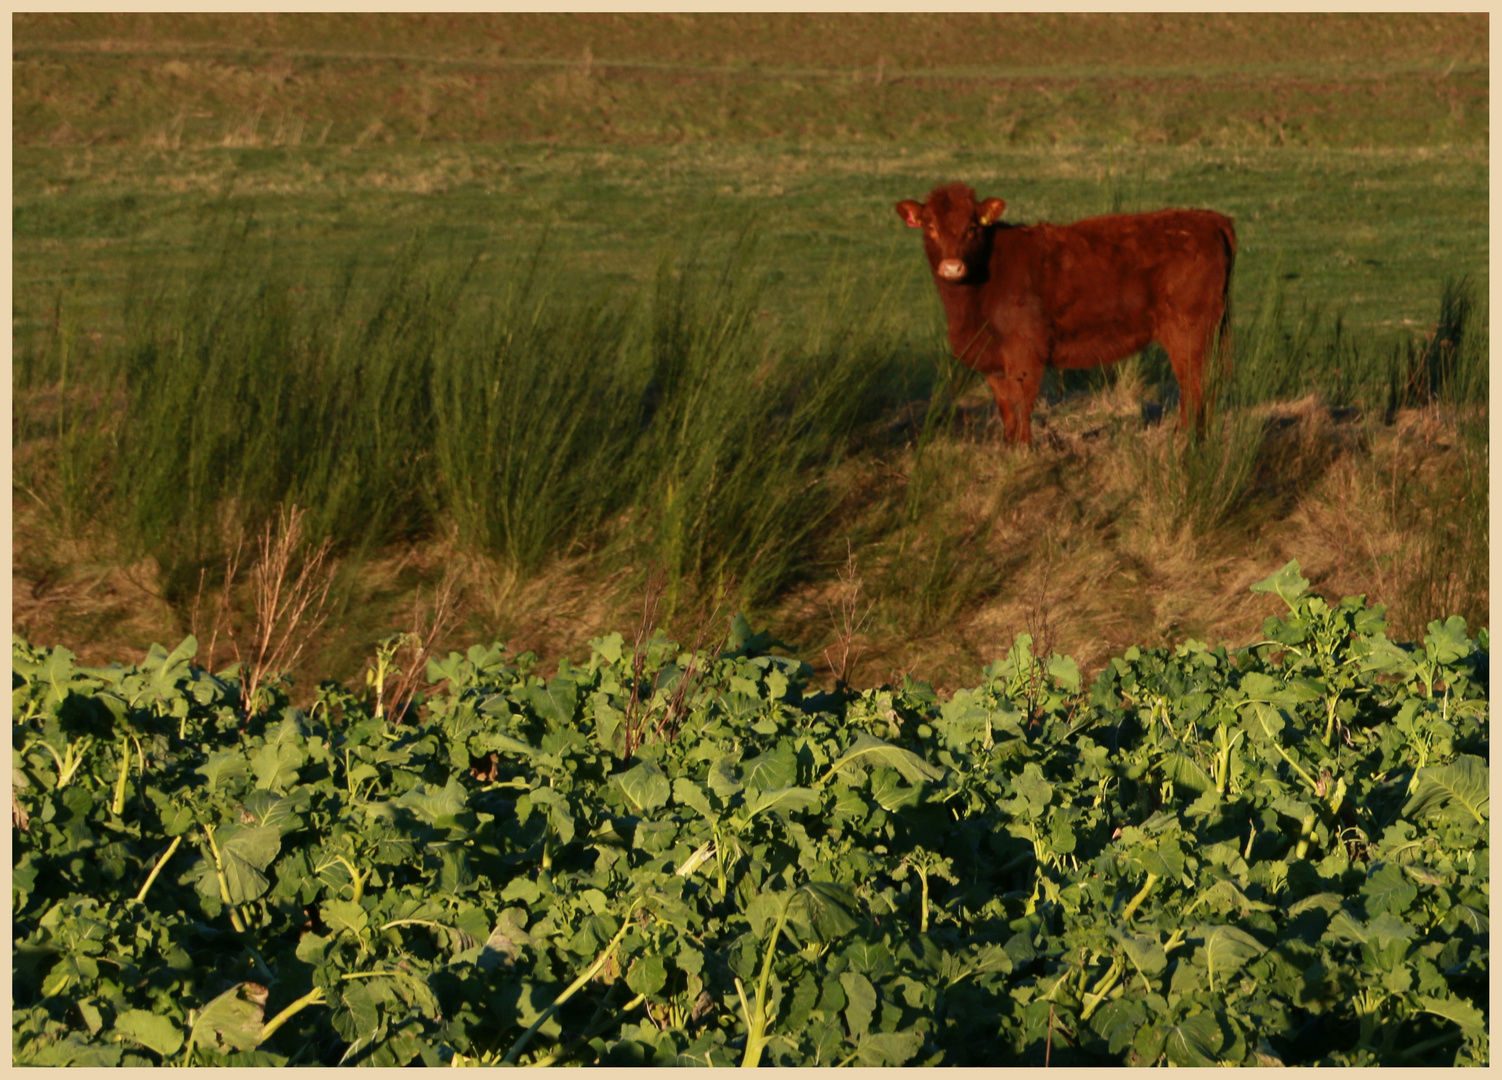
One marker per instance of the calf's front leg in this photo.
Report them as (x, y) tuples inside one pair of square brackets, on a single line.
[(1015, 388)]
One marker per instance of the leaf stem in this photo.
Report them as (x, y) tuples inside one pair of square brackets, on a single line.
[(157, 869), (234, 915), (312, 997), (590, 1032), (1102, 988), (575, 986), (1424, 1047), (117, 804), (755, 1035), (1136, 901), (1306, 828)]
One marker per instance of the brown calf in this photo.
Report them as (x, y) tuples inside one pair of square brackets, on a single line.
[(1020, 298)]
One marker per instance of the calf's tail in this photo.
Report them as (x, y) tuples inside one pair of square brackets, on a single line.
[(1223, 330)]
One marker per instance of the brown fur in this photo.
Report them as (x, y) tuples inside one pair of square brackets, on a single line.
[(1020, 298)]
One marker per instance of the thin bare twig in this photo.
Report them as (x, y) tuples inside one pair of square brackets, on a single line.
[(847, 623), (431, 624), (290, 608), (667, 727), (631, 728)]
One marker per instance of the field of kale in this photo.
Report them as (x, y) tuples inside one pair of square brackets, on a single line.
[(1276, 854)]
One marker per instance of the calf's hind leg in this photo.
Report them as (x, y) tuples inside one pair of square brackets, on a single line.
[(1186, 347)]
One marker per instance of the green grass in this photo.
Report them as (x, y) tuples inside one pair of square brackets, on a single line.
[(1364, 232), (400, 404)]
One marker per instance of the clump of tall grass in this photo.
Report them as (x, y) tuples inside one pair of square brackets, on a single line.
[(1450, 364), (746, 426), (1446, 509), (395, 403), (246, 388), (1202, 480), (534, 412), (676, 410)]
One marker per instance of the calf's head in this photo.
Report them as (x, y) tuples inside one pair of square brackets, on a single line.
[(955, 229)]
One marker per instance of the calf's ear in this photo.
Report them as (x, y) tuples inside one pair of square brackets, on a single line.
[(990, 211), (911, 212)]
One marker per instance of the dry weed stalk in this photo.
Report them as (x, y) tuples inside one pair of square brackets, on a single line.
[(672, 718), (290, 608), (849, 621), (431, 623), (637, 713), (1040, 628), (632, 727)]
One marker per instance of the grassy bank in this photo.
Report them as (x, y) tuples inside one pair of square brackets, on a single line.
[(557, 328)]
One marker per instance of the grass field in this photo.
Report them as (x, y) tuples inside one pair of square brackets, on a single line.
[(265, 258)]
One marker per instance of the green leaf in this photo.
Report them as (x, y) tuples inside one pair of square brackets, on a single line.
[(782, 800), (276, 763), (1326, 901), (1446, 642), (1377, 654), (888, 1048), (648, 974), (777, 768), (1145, 951), (962, 720), (223, 767), (1471, 1019), (486, 741), (1194, 1040), (155, 1032), (868, 750), (243, 855), (890, 792), (1388, 888), (1387, 929), (1224, 896), (722, 778), (1226, 949), (824, 909), (1186, 773), (343, 916), (1066, 672), (312, 948), (1117, 1021), (1460, 791), (645, 786), (1032, 787), (355, 1014), (175, 666), (434, 805), (1288, 583), (608, 647), (279, 811), (860, 1002), (764, 909), (230, 1021), (504, 945), (869, 957), (557, 702), (73, 1049), (687, 793)]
